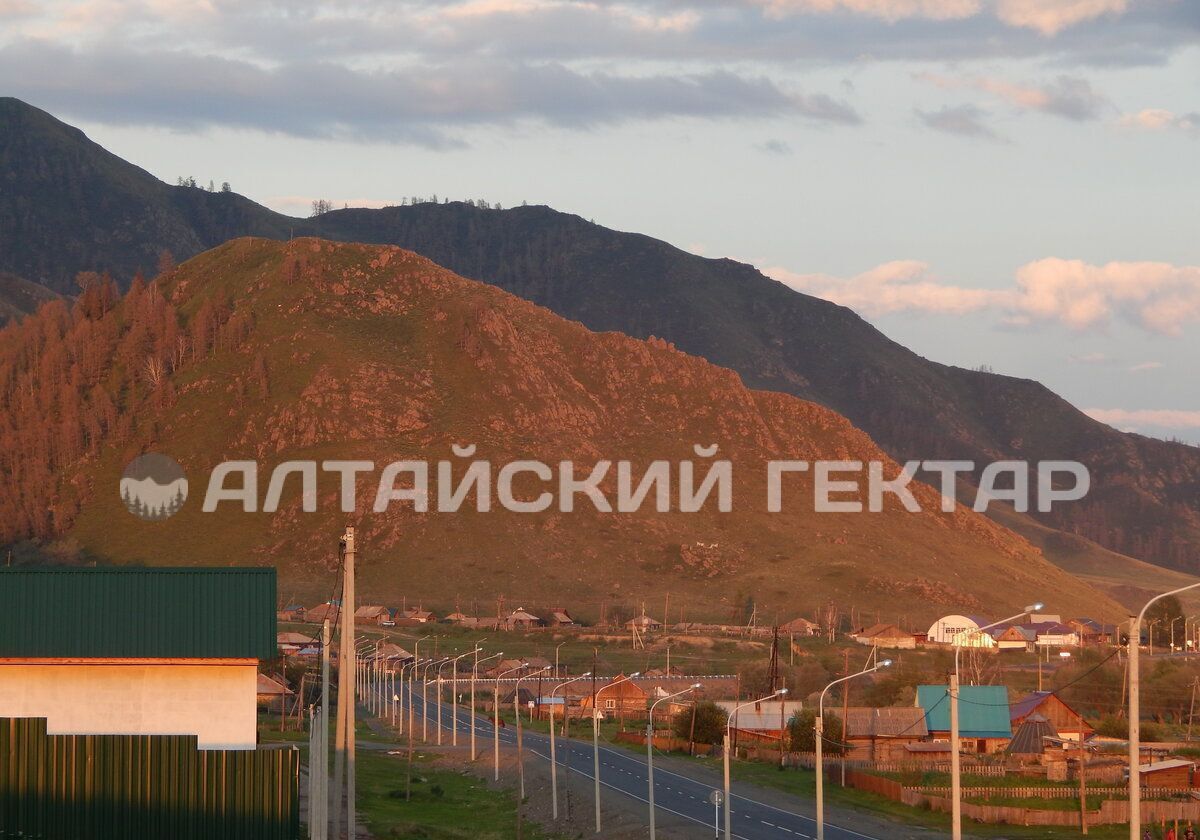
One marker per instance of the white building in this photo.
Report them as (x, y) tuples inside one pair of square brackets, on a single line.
[(960, 631), (137, 651)]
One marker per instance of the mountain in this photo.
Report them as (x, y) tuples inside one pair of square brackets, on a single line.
[(317, 350), (67, 205), (75, 206), (19, 297)]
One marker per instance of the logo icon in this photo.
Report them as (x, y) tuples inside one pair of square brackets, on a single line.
[(153, 487)]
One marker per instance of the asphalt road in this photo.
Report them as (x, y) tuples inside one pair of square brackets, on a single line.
[(626, 772)]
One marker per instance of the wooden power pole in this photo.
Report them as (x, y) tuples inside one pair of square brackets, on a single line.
[(344, 739)]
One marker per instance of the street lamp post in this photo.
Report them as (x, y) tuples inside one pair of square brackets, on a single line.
[(955, 743), (425, 698), (412, 678), (474, 717), (444, 663), (557, 673), (725, 755), (553, 759), (650, 749), (496, 717), (1135, 732), (454, 695), (596, 739), (517, 711), (819, 742)]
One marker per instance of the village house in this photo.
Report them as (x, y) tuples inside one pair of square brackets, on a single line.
[(761, 723), (372, 614), (885, 636), (618, 697), (800, 627), (1068, 723), (416, 615), (1015, 637), (1054, 634), (147, 651), (643, 623), (291, 613), (1091, 632), (291, 644), (561, 618), (271, 694), (456, 617), (882, 734), (983, 715), (322, 613), (523, 619)]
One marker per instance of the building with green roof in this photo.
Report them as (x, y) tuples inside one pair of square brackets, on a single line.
[(135, 650), (983, 719)]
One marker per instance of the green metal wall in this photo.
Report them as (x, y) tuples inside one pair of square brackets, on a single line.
[(122, 787)]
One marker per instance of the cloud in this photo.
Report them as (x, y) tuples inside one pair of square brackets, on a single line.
[(1049, 17), (413, 103), (1091, 359), (897, 286), (1165, 418), (1066, 96), (1160, 119), (963, 120), (775, 147), (889, 10), (1158, 297), (1144, 366)]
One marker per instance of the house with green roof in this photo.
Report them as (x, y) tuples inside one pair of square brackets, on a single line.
[(137, 651), (984, 724)]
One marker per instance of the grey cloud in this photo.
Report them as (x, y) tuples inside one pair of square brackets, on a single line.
[(963, 120), (420, 104), (775, 147), (1073, 98)]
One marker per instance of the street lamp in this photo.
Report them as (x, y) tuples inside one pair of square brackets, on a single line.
[(412, 676), (425, 697), (496, 716), (955, 759), (596, 739), (553, 760), (650, 749), (411, 663), (443, 664), (557, 674), (1135, 731), (454, 694), (819, 741), (474, 717), (725, 751), (517, 710)]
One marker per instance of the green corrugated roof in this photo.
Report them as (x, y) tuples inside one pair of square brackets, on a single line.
[(138, 612), (982, 710)]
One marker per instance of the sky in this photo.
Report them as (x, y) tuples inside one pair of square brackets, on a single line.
[(1009, 183)]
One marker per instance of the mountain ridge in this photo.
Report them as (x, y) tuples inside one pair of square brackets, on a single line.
[(1145, 500)]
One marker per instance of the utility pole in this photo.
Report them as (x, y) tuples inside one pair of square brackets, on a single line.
[(845, 708), (1191, 710), (345, 713), (1083, 826)]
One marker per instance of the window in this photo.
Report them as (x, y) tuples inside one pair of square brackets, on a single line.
[(610, 704)]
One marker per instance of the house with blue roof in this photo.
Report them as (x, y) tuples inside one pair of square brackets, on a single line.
[(984, 722)]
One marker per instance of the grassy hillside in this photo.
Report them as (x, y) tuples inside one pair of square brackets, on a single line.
[(73, 206), (359, 352)]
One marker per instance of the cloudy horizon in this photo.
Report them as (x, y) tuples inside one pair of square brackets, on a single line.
[(1008, 183)]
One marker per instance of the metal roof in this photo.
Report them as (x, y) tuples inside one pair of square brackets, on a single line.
[(124, 612), (982, 710)]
